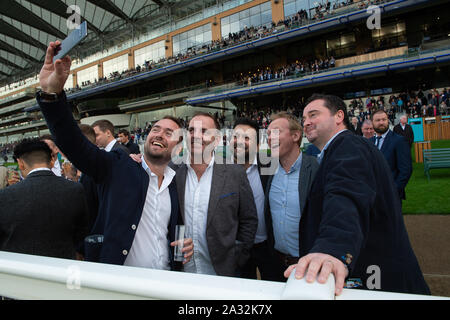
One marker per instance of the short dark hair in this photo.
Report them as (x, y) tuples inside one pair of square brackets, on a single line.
[(47, 137), (248, 122), (332, 103), (124, 132), (206, 114), (88, 132), (33, 151), (377, 111), (104, 125), (174, 119)]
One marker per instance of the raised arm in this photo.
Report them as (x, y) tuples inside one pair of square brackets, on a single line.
[(58, 115)]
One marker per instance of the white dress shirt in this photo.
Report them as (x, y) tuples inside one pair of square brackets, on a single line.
[(258, 194), (150, 247), (196, 203), (57, 168), (110, 145)]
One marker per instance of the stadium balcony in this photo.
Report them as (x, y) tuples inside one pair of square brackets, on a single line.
[(33, 125), (344, 73), (18, 97), (350, 14)]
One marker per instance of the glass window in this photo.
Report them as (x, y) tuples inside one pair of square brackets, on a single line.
[(255, 20), (234, 17), (266, 17), (234, 27), (289, 9), (225, 20), (255, 10), (225, 30), (244, 23), (243, 14), (266, 6)]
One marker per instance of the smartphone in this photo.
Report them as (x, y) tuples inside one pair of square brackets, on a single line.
[(71, 41)]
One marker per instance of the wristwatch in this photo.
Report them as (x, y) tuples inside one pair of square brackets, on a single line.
[(47, 97)]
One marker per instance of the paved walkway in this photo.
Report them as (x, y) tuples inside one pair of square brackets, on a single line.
[(430, 239)]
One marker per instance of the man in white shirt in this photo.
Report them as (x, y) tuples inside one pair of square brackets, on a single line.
[(216, 201), (245, 144), (104, 136), (126, 202)]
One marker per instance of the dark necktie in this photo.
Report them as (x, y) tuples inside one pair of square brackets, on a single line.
[(378, 141)]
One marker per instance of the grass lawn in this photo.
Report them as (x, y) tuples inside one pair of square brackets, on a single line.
[(423, 197)]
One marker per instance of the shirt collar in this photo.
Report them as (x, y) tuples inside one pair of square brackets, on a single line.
[(38, 169), (210, 164), (320, 156), (110, 145), (253, 165), (168, 171), (384, 134), (294, 167)]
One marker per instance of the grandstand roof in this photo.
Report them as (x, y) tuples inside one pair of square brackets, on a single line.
[(27, 26)]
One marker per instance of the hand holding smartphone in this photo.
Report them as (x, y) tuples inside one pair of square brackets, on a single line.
[(72, 40)]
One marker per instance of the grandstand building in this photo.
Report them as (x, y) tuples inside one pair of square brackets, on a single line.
[(144, 59)]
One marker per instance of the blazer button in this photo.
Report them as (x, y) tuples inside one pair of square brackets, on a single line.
[(125, 252), (133, 226)]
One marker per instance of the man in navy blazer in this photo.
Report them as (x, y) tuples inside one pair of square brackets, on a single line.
[(125, 217), (352, 224), (395, 149)]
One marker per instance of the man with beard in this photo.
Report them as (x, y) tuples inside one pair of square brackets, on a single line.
[(395, 150), (245, 152), (352, 224), (216, 201), (138, 203)]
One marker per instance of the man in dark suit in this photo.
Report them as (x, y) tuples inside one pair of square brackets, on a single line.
[(138, 203), (104, 136), (124, 137), (286, 190), (355, 126), (395, 149), (43, 214), (245, 146), (405, 130), (352, 222), (216, 201)]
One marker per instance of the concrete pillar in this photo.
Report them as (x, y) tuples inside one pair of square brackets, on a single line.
[(277, 10), (131, 59), (168, 46)]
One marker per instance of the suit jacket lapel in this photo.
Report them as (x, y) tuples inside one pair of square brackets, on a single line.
[(180, 178), (386, 141), (217, 184)]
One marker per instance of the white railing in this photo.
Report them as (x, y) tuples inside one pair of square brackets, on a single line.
[(35, 277)]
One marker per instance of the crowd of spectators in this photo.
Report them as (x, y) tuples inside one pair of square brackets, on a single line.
[(320, 11), (420, 103), (298, 68)]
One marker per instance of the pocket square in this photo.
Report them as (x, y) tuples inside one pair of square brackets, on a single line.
[(226, 195)]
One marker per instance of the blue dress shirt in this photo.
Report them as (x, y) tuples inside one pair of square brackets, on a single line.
[(285, 208)]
